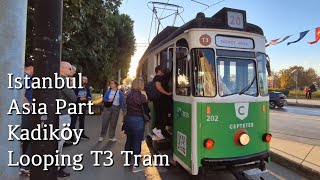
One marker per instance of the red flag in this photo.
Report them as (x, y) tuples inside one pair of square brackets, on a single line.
[(317, 36), (272, 42)]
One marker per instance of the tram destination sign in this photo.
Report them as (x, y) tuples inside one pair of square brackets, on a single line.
[(234, 42)]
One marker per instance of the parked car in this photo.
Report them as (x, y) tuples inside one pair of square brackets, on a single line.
[(277, 99)]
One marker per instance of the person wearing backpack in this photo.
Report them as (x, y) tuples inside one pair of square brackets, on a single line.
[(160, 103), (134, 123), (113, 101)]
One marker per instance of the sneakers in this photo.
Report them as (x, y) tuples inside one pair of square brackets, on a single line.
[(84, 137), (100, 139), (24, 171), (138, 168), (113, 139), (158, 133), (63, 174)]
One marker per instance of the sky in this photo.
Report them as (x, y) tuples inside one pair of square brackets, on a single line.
[(277, 18)]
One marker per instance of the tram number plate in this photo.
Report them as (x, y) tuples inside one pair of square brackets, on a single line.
[(235, 20), (212, 118), (182, 143)]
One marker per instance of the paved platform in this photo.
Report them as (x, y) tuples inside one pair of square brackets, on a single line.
[(312, 103), (301, 157)]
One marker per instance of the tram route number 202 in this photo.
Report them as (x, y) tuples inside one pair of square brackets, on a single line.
[(212, 118)]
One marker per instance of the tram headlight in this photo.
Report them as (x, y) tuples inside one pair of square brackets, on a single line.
[(209, 143), (267, 137), (244, 139), (241, 137)]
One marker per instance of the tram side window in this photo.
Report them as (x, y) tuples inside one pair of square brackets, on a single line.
[(182, 73), (203, 72), (144, 72), (165, 61), (262, 74)]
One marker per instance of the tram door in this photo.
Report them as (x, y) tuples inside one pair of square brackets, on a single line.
[(182, 111)]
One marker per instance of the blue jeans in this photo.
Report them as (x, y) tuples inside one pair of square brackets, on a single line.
[(26, 123), (134, 127)]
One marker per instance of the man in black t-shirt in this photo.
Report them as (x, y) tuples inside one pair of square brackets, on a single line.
[(160, 105)]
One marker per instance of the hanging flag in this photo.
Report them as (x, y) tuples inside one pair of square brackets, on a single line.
[(302, 34), (317, 36), (272, 42), (285, 38)]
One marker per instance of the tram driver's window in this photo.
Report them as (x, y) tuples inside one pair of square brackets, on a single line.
[(182, 72), (203, 72)]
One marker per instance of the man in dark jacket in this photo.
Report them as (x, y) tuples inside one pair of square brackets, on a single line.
[(68, 96), (84, 96), (161, 104)]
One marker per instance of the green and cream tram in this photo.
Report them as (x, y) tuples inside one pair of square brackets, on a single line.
[(220, 96)]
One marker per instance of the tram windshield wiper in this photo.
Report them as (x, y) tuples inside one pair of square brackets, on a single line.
[(249, 85)]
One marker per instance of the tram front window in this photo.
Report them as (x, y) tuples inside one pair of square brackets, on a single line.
[(236, 76)]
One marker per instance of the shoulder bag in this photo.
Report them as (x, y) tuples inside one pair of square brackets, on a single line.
[(109, 104)]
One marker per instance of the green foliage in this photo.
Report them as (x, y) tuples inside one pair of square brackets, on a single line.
[(301, 94), (96, 38)]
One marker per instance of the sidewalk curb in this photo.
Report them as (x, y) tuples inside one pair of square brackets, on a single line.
[(303, 105), (301, 169)]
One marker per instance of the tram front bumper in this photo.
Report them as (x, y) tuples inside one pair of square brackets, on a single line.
[(243, 162)]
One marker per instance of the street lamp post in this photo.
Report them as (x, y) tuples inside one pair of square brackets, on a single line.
[(297, 88), (295, 72)]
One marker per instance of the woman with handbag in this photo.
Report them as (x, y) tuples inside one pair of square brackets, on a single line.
[(113, 101), (137, 114)]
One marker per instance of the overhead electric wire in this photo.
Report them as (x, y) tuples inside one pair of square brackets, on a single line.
[(181, 18), (158, 19), (200, 3), (150, 28), (212, 5)]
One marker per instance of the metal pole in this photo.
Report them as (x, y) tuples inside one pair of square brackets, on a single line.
[(175, 17), (297, 89), (47, 55), (13, 17)]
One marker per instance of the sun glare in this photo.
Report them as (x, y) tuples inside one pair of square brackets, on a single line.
[(135, 61)]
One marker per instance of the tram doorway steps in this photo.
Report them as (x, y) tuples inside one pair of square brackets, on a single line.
[(154, 151), (161, 144), (169, 153)]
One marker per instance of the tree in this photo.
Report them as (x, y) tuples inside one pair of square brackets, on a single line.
[(305, 77), (96, 38), (276, 79)]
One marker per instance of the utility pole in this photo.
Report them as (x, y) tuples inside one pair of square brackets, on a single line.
[(47, 55), (295, 77), (13, 18)]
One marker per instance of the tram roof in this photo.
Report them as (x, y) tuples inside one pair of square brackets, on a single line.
[(217, 21)]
